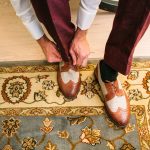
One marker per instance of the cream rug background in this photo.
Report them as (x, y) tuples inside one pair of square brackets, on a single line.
[(33, 111)]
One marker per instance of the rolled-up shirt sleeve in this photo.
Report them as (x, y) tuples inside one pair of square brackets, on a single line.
[(25, 12), (87, 12)]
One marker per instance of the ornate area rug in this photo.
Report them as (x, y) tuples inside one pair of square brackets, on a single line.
[(34, 115)]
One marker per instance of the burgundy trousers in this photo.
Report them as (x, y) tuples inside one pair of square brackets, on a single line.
[(130, 23), (56, 17)]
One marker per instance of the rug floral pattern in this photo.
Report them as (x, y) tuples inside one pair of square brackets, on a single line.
[(34, 115)]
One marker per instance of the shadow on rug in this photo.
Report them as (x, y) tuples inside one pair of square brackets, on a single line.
[(34, 115)]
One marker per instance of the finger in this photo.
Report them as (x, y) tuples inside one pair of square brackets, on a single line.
[(74, 57), (52, 60), (80, 61), (58, 60), (54, 50), (56, 53), (58, 56), (84, 64)]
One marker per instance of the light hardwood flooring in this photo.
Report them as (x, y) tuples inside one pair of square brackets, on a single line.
[(16, 44)]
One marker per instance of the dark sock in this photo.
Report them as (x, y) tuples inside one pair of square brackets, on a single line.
[(108, 74)]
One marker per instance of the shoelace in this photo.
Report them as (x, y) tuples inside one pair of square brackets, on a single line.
[(118, 92), (115, 87)]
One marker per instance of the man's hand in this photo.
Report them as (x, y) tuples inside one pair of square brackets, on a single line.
[(79, 49), (50, 50)]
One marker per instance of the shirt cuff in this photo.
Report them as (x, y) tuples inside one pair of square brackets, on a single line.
[(85, 19), (35, 29)]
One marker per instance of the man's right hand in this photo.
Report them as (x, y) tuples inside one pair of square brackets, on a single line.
[(50, 50)]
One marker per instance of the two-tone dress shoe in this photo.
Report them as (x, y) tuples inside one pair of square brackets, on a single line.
[(116, 102), (69, 80)]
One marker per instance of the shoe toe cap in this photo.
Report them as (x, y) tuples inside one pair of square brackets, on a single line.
[(70, 90), (119, 110), (122, 118)]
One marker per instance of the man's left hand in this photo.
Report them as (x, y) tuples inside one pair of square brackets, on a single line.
[(79, 49)]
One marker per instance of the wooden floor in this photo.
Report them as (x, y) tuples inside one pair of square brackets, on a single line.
[(16, 44)]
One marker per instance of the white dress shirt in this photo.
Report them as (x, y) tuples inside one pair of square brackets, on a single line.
[(25, 12)]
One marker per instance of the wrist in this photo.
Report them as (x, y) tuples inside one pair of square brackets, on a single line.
[(80, 33), (43, 41)]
